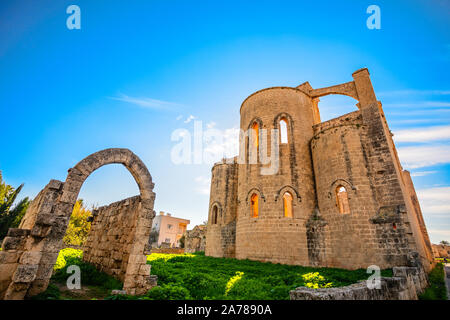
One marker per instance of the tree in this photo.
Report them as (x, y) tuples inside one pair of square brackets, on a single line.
[(10, 217), (154, 235), (79, 227), (181, 241), (445, 243)]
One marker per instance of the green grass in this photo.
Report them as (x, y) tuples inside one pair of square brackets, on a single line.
[(437, 289), (207, 277), (196, 276), (93, 282)]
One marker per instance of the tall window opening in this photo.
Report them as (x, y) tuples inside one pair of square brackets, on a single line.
[(254, 205), (255, 135), (287, 201), (214, 215), (283, 131), (342, 200)]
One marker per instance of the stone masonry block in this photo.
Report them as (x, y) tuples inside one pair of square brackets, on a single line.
[(17, 232), (11, 256), (13, 243), (145, 269), (30, 257), (7, 270), (25, 273)]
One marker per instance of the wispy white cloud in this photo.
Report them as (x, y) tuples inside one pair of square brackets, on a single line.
[(219, 144), (422, 173), (435, 201), (438, 235), (179, 117), (189, 119), (210, 125), (416, 121), (424, 134), (423, 104), (145, 102), (203, 185), (423, 156)]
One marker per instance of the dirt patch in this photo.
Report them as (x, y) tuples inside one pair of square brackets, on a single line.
[(85, 293)]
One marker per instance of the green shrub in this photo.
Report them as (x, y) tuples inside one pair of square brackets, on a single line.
[(89, 274), (168, 292), (437, 289)]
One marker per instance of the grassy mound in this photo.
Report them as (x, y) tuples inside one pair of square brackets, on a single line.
[(223, 278)]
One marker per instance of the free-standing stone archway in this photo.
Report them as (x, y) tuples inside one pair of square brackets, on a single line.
[(30, 251)]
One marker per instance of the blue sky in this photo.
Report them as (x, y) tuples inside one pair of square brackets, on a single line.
[(138, 70)]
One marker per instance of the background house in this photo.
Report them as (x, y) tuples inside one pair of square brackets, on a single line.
[(167, 230)]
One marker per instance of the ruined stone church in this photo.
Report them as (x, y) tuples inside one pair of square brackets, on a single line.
[(340, 197)]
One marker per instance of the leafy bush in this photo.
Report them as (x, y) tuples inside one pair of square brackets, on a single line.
[(168, 292), (78, 228), (67, 254), (10, 217), (89, 274), (437, 289), (315, 280)]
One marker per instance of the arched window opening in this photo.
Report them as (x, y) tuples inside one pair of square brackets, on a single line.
[(254, 205), (287, 201), (342, 200), (214, 215), (255, 134), (283, 131), (328, 107)]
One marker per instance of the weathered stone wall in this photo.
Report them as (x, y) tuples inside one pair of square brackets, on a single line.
[(195, 239), (272, 236), (406, 284), (111, 238), (384, 225), (441, 251), (221, 230), (370, 233), (30, 252)]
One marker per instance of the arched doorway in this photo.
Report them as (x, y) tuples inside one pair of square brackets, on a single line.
[(40, 235)]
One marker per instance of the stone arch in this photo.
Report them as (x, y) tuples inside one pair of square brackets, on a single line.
[(347, 184), (257, 191), (215, 220), (296, 199), (289, 127), (289, 188), (255, 120), (349, 188), (37, 242), (250, 153), (346, 89), (79, 173)]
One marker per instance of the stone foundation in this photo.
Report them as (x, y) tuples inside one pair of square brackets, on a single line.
[(406, 284)]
